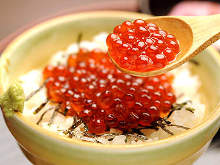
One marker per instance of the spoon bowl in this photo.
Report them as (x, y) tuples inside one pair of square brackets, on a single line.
[(194, 33)]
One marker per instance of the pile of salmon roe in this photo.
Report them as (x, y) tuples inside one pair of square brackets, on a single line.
[(141, 46), (90, 87)]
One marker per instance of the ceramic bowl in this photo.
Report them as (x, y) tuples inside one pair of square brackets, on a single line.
[(33, 48)]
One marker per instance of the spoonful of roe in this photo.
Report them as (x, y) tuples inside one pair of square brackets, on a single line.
[(141, 46)]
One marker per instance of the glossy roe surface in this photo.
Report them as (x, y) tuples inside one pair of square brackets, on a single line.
[(141, 46), (90, 87)]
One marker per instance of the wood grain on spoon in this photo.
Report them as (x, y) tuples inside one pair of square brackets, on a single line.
[(194, 33)]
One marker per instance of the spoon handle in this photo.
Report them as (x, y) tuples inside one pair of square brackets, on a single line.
[(205, 31), (204, 28)]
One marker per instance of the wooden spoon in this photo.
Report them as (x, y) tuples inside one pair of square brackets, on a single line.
[(195, 33)]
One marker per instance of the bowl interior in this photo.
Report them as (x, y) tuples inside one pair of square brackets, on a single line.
[(34, 48)]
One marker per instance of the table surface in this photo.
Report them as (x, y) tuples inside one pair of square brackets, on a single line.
[(8, 145)]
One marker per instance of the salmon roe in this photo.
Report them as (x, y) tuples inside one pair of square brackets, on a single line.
[(141, 46), (90, 87)]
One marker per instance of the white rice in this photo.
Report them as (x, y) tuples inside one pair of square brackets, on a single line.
[(185, 84)]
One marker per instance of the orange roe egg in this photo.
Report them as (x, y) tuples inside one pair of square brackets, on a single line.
[(141, 46), (90, 87)]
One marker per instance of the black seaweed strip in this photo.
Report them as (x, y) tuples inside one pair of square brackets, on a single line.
[(176, 107), (38, 109), (110, 139), (194, 62), (79, 39), (166, 130), (42, 116), (137, 131), (179, 126), (65, 111), (35, 92), (190, 109), (76, 124), (53, 115)]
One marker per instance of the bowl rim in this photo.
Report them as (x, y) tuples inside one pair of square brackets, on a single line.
[(95, 14)]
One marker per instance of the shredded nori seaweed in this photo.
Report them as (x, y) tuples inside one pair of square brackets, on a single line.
[(53, 115), (194, 62), (43, 114), (38, 109), (36, 91), (79, 39)]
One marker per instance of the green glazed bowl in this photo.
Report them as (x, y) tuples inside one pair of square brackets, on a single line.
[(32, 50)]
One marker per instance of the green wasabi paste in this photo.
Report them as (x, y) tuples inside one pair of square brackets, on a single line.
[(12, 100)]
